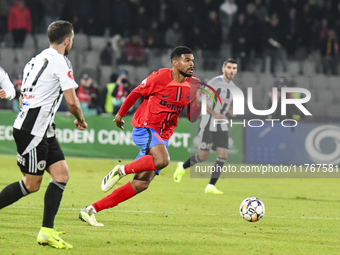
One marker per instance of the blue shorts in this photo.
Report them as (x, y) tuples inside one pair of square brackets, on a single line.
[(145, 138)]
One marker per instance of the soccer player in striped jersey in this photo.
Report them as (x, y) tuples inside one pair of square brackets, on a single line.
[(47, 77), (166, 93), (7, 90), (213, 136)]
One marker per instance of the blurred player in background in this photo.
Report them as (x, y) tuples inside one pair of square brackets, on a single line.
[(211, 135), (7, 90), (46, 78), (166, 93)]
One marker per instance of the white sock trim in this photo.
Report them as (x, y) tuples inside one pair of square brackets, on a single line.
[(91, 209), (122, 168)]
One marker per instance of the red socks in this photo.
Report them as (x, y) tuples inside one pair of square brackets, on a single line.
[(126, 191), (142, 164), (117, 196)]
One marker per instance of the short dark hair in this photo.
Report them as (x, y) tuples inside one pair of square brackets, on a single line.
[(59, 30), (229, 60), (179, 50)]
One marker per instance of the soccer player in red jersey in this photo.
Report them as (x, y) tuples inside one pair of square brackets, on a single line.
[(166, 93)]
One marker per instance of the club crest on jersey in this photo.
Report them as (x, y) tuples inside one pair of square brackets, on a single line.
[(172, 107), (143, 84), (41, 165), (187, 96), (70, 74)]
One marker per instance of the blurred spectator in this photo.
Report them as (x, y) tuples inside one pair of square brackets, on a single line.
[(19, 23), (121, 17), (36, 8), (255, 28), (154, 53), (135, 53), (103, 17), (212, 40), (292, 33), (305, 28), (187, 17), (261, 11), (52, 11), (155, 33), (239, 36), (228, 12), (118, 46), (89, 95), (83, 16), (174, 36), (323, 29), (272, 41), (141, 21), (330, 11), (107, 98), (194, 38), (106, 55), (5, 7), (165, 15), (329, 50), (121, 91), (281, 9), (66, 10)]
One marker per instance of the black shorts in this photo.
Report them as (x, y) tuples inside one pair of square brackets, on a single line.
[(213, 140), (39, 158)]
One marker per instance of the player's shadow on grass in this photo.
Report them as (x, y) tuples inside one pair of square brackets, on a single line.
[(307, 199)]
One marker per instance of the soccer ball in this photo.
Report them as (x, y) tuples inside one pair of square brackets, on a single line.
[(252, 209)]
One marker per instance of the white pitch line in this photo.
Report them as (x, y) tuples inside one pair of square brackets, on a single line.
[(176, 213)]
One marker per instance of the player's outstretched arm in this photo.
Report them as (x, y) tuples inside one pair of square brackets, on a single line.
[(75, 108), (128, 103)]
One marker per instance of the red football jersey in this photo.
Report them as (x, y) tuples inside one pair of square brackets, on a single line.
[(164, 100)]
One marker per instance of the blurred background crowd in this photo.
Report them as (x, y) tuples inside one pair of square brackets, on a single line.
[(270, 39)]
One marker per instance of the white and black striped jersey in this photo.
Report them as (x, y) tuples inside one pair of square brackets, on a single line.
[(207, 120), (6, 84), (45, 77)]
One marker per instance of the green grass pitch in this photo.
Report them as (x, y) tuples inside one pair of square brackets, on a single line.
[(302, 216)]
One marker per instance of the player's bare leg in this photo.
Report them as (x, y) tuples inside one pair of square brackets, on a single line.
[(158, 158), (142, 180)]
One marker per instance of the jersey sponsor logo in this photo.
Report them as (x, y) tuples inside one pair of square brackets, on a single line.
[(187, 97), (42, 165), (70, 74), (165, 96), (172, 107), (29, 96)]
